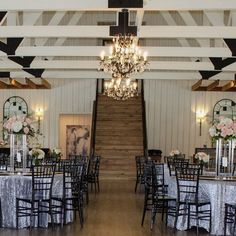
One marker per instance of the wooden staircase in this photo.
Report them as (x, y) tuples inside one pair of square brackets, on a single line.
[(119, 135)]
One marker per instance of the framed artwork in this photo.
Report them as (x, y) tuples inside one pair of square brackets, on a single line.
[(77, 140)]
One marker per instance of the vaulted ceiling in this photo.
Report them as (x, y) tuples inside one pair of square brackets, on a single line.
[(185, 39)]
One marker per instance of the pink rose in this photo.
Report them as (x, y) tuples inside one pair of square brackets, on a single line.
[(229, 132), (224, 131), (26, 130), (220, 126), (28, 121)]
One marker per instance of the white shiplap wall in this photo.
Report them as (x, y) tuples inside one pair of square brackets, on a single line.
[(67, 96), (171, 114)]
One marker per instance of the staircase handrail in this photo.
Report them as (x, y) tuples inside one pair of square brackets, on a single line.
[(145, 140), (94, 122)]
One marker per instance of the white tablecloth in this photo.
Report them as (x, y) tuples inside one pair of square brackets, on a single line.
[(218, 192), (12, 186)]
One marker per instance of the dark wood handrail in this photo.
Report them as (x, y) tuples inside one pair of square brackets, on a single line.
[(145, 148), (94, 121)]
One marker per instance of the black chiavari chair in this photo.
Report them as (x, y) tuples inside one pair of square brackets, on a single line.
[(93, 172), (148, 189), (160, 197), (140, 162), (40, 201), (230, 218), (188, 202), (71, 198)]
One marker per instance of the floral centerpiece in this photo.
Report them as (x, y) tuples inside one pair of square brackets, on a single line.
[(3, 142), (19, 124), (174, 153), (37, 155), (224, 128), (202, 158), (56, 153)]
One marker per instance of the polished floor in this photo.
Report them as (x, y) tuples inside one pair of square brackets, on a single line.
[(115, 211)]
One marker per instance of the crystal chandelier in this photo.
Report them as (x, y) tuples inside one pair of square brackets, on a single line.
[(125, 60), (121, 88)]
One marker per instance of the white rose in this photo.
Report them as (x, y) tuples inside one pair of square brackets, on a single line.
[(212, 131), (41, 154), (17, 126)]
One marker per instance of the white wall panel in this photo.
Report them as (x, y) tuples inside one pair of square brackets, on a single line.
[(171, 115), (67, 96)]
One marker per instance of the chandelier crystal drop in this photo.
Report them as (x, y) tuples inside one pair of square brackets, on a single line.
[(125, 59), (121, 88)]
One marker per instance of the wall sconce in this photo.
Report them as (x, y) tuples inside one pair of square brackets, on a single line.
[(200, 115), (39, 115)]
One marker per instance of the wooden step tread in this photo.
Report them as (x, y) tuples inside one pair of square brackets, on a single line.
[(109, 153)]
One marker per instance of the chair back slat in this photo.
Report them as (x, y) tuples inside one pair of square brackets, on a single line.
[(187, 184), (158, 179), (73, 174), (176, 163), (140, 162), (42, 179)]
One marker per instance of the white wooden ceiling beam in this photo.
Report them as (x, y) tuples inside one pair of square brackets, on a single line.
[(93, 65), (96, 51), (139, 18), (79, 64), (170, 21), (103, 31), (188, 20), (88, 74), (91, 5)]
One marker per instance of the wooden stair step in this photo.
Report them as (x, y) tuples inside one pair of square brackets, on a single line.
[(118, 147), (121, 123), (119, 139), (118, 133), (118, 118), (109, 153)]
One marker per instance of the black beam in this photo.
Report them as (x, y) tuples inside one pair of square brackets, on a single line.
[(23, 61), (231, 43), (220, 63), (13, 44), (35, 72), (4, 74), (10, 47), (2, 14), (123, 27), (125, 3), (3, 47), (208, 74)]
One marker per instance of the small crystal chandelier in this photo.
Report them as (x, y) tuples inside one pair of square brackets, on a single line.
[(125, 60), (120, 88)]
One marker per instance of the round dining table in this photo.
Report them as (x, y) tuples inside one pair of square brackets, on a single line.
[(14, 185), (218, 189)]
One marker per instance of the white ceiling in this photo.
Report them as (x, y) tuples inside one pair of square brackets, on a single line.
[(66, 36)]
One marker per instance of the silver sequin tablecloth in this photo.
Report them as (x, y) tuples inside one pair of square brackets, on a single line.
[(12, 186), (218, 192)]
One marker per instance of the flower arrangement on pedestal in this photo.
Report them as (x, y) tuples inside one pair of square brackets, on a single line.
[(37, 155), (223, 132), (202, 158), (224, 128), (175, 152), (19, 124)]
